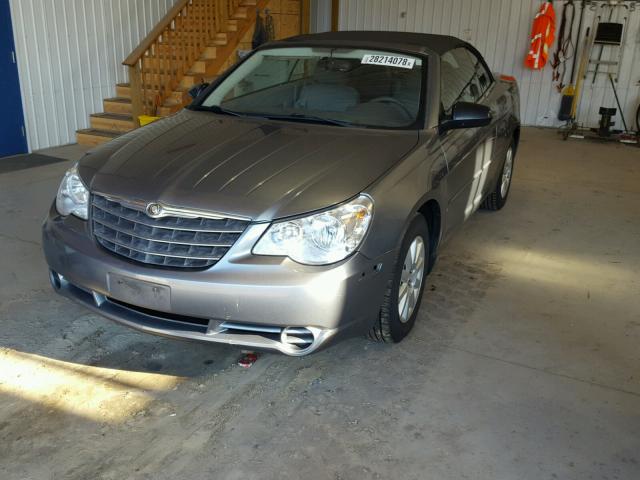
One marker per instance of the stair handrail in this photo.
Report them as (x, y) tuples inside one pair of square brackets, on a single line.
[(182, 35), (153, 35)]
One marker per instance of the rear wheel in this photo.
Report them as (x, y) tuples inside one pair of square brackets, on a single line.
[(497, 199), (404, 292)]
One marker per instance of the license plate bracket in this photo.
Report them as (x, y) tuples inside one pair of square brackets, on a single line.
[(141, 293)]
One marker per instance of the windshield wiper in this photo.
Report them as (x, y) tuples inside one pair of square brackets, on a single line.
[(310, 118), (217, 109), (291, 116)]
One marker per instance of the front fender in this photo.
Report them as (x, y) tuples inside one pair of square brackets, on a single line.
[(400, 194)]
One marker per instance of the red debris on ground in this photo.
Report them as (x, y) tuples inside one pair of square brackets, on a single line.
[(247, 360)]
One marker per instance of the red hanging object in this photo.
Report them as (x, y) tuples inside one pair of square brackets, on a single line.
[(542, 37)]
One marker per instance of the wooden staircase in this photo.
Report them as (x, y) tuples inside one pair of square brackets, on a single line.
[(192, 44)]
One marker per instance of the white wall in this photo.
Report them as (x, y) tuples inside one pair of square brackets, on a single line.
[(320, 20), (69, 56), (500, 29)]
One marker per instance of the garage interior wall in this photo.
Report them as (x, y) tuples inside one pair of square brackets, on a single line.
[(501, 30), (320, 16), (69, 55)]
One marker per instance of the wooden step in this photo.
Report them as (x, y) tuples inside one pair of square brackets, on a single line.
[(117, 105), (209, 53), (190, 79), (200, 66), (222, 38), (180, 95), (170, 109), (240, 13), (112, 122), (123, 90), (94, 137)]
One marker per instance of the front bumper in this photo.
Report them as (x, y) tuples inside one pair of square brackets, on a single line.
[(253, 301)]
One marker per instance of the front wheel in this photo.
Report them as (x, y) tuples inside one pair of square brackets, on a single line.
[(404, 292), (497, 199)]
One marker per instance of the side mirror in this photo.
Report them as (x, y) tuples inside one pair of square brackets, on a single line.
[(467, 115), (195, 91)]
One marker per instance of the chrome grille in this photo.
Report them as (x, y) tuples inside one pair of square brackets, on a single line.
[(178, 242)]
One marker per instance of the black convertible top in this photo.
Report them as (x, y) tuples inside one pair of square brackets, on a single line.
[(405, 41)]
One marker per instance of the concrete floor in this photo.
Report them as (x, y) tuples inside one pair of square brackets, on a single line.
[(524, 363)]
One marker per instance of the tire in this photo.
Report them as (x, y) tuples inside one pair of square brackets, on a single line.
[(498, 197), (393, 324)]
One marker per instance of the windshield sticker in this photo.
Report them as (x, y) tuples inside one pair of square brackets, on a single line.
[(389, 60)]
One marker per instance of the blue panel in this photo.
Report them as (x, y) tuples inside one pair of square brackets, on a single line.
[(12, 140)]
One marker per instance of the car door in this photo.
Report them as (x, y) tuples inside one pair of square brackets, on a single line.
[(468, 151)]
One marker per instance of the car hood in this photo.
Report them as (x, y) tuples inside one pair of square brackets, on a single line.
[(245, 167)]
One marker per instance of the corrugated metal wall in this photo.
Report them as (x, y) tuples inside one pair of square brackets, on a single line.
[(320, 20), (500, 29), (69, 56)]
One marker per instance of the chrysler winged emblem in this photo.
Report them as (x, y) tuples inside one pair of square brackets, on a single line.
[(154, 210)]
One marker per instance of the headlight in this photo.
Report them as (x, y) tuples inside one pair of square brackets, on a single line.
[(73, 196), (322, 238)]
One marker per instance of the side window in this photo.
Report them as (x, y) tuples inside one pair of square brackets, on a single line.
[(463, 78), (483, 75)]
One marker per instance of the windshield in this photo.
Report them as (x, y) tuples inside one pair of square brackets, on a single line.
[(337, 86)]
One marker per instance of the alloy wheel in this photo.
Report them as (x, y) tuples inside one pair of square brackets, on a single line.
[(506, 173), (411, 279)]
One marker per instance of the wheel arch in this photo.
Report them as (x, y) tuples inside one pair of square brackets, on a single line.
[(432, 213), (516, 137)]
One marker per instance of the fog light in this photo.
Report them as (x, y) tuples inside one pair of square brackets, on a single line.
[(297, 337), (55, 278)]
